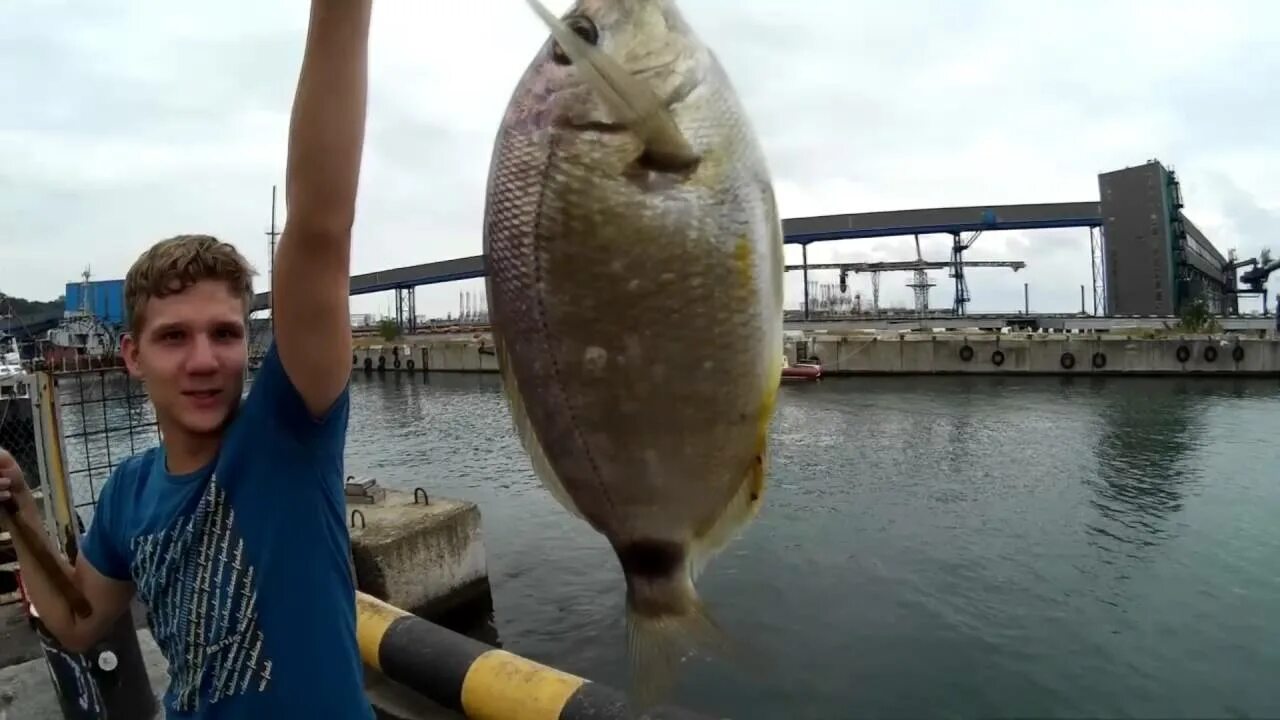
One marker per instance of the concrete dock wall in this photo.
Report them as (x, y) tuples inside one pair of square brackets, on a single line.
[(853, 353), (473, 353), (1044, 354)]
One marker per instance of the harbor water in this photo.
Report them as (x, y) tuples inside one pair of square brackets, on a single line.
[(941, 547), (929, 546)]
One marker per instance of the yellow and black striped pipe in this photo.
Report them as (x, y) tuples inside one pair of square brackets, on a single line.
[(482, 682)]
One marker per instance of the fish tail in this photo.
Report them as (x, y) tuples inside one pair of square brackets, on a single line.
[(666, 619), (661, 630)]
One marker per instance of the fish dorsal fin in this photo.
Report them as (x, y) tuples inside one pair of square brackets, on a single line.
[(634, 101)]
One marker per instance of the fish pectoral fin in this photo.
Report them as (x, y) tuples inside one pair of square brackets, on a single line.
[(633, 100), (528, 436)]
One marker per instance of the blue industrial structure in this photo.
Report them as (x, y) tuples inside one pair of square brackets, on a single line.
[(949, 221), (102, 298), (404, 278)]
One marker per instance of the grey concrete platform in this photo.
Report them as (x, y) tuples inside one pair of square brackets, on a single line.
[(26, 691)]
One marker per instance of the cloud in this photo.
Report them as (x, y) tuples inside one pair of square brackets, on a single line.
[(127, 122)]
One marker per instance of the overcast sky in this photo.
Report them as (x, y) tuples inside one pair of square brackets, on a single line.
[(125, 122)]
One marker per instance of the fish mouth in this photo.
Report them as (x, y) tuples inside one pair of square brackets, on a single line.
[(678, 94)]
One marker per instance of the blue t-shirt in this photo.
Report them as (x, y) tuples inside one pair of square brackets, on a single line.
[(243, 564)]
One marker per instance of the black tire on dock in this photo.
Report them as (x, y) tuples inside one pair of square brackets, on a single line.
[(354, 360), (1210, 353), (1067, 361), (382, 362), (1183, 353), (1237, 353), (396, 363), (997, 358), (368, 364), (966, 353), (1099, 360), (409, 364)]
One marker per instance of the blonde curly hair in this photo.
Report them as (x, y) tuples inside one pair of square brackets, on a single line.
[(174, 264)]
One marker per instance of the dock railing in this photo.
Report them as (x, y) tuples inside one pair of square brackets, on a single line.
[(481, 681)]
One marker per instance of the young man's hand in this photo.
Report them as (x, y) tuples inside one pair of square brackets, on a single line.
[(13, 486)]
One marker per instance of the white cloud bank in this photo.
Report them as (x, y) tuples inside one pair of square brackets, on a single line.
[(126, 122)]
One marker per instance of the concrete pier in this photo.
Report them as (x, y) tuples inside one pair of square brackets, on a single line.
[(1040, 354), (419, 552), (473, 352), (1139, 352)]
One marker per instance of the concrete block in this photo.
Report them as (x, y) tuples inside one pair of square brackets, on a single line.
[(370, 497), (364, 491), (425, 558)]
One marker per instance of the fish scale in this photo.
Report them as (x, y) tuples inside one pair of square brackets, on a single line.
[(636, 301)]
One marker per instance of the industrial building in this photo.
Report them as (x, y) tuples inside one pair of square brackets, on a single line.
[(1156, 260), (102, 298)]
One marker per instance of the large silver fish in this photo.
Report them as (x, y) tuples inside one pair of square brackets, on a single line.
[(635, 268)]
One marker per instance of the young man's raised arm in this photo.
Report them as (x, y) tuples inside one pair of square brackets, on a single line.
[(310, 286)]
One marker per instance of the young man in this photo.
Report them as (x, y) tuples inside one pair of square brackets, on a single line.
[(232, 531)]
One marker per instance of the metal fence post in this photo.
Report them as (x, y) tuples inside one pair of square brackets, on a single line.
[(56, 500), (110, 681)]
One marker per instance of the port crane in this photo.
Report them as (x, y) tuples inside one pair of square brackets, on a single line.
[(917, 266), (1254, 280)]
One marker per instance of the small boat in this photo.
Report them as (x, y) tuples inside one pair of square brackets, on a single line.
[(800, 371)]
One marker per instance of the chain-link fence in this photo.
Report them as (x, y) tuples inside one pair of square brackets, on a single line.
[(17, 429), (105, 418), (18, 436)]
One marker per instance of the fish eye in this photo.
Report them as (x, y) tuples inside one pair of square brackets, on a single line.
[(584, 28)]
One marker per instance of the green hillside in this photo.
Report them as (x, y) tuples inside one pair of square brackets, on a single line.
[(21, 307)]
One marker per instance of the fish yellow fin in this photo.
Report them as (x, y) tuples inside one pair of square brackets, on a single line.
[(744, 506), (524, 429), (635, 102), (746, 503)]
